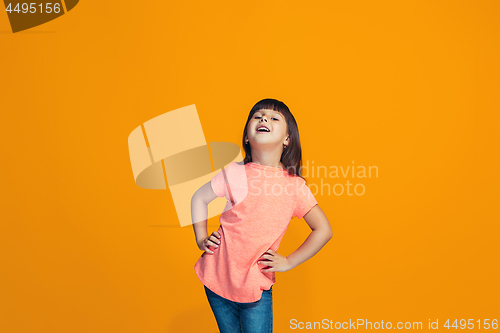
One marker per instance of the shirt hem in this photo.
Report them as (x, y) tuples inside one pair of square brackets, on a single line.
[(217, 291)]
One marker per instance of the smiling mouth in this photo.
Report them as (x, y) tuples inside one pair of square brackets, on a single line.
[(263, 130)]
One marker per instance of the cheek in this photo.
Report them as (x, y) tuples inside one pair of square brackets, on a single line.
[(281, 128)]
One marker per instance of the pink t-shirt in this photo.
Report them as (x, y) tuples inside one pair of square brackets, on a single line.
[(265, 200)]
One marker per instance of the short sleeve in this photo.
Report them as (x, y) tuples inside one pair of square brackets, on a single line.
[(305, 201), (218, 184)]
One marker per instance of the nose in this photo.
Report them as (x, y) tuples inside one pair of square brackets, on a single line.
[(261, 119)]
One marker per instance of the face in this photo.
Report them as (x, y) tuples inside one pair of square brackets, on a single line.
[(275, 123)]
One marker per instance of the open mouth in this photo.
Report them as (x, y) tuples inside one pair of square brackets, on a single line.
[(263, 129)]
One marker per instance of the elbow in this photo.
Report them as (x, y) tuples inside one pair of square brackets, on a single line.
[(328, 233), (195, 198)]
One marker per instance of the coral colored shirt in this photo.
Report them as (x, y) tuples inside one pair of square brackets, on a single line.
[(265, 200)]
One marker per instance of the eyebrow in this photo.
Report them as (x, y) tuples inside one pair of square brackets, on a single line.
[(276, 113)]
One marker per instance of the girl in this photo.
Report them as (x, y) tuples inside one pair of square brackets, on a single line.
[(264, 191)]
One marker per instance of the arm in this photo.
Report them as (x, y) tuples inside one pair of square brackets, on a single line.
[(199, 212), (321, 233)]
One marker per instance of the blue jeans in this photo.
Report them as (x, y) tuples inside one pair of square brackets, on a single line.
[(234, 317)]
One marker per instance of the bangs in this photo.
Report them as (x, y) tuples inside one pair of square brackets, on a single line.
[(271, 104)]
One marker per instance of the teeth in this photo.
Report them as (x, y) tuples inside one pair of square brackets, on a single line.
[(262, 129)]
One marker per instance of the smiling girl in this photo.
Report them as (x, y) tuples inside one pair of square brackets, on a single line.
[(264, 192)]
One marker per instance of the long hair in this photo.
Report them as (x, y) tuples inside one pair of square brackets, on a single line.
[(291, 157)]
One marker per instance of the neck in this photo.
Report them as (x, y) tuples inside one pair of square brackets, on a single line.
[(270, 158)]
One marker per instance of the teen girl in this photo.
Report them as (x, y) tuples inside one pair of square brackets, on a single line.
[(238, 265)]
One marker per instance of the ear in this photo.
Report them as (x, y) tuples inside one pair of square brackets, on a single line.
[(286, 140)]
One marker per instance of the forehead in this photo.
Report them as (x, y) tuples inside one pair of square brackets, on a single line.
[(268, 111)]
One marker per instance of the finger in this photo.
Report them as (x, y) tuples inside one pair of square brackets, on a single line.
[(212, 243), (266, 256), (214, 239), (216, 234), (207, 250), (268, 270), (271, 252)]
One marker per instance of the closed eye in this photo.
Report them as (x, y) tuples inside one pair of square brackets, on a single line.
[(257, 117)]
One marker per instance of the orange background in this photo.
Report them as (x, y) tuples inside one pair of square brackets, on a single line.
[(410, 87)]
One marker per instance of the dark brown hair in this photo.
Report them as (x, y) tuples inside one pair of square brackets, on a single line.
[(292, 155)]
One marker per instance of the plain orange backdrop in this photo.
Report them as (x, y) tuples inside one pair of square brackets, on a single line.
[(411, 87)]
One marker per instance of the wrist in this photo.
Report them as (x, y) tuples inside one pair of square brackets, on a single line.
[(290, 264), (200, 241)]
